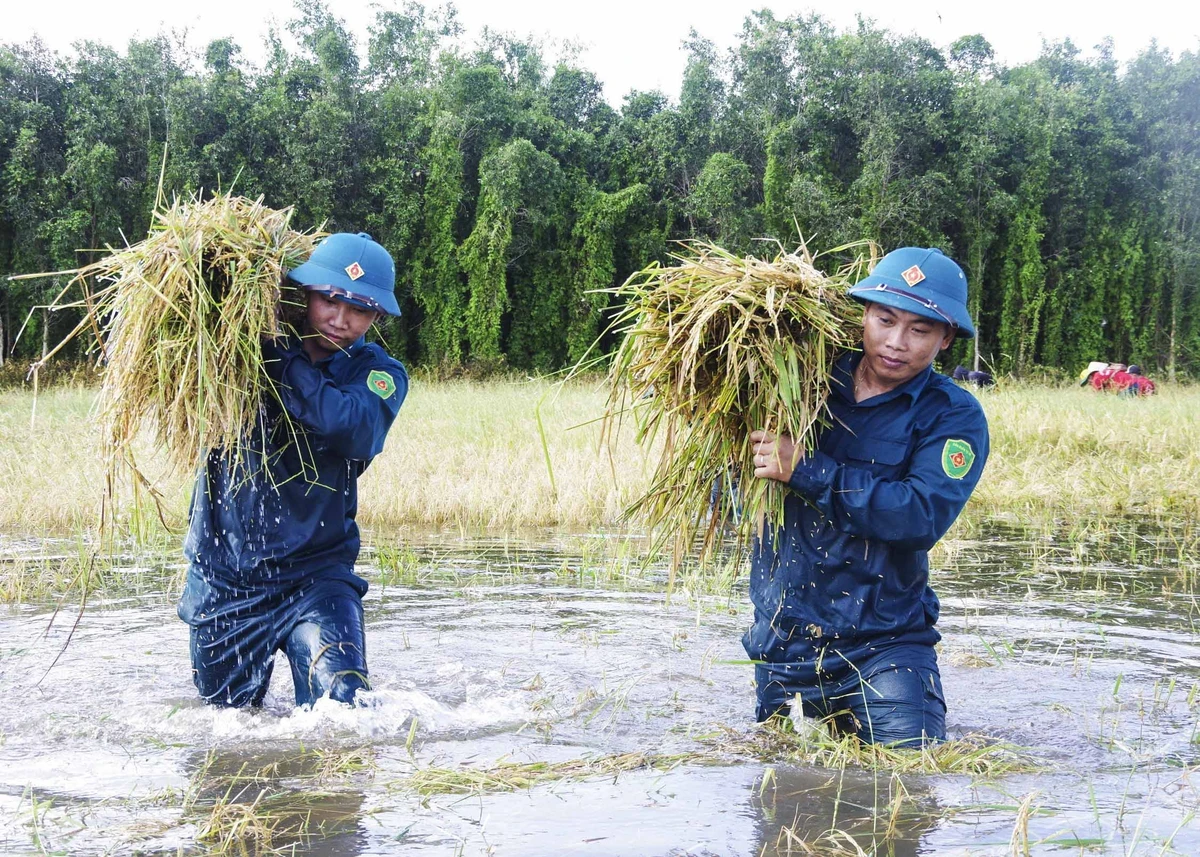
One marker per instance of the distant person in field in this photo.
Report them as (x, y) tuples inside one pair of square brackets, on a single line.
[(978, 377), (1133, 383), (843, 613), (272, 540), (1097, 374), (1117, 378)]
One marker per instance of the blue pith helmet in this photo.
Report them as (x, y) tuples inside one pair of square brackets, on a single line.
[(352, 268), (922, 281)]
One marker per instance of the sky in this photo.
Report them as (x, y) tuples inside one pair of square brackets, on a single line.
[(636, 45)]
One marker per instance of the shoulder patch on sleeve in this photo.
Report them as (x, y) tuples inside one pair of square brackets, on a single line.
[(381, 383), (957, 458)]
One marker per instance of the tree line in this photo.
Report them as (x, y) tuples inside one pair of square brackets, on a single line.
[(510, 191)]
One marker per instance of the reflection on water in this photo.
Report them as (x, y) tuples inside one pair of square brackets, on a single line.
[(276, 799), (850, 809), (542, 651)]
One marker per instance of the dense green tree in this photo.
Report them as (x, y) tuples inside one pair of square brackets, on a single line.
[(604, 224), (517, 202), (512, 196), (720, 201)]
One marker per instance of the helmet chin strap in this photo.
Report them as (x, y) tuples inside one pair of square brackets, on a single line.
[(925, 302), (338, 292)]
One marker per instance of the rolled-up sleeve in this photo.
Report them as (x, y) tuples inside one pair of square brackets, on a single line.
[(913, 511)]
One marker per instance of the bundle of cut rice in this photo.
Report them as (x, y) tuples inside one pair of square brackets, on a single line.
[(715, 347), (179, 320)]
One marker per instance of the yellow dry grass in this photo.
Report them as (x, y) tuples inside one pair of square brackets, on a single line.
[(1073, 452), (469, 454)]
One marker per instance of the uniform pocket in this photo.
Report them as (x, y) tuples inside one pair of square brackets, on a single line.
[(870, 450)]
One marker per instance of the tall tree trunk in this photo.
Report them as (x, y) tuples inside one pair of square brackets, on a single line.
[(45, 332), (975, 299), (1174, 331)]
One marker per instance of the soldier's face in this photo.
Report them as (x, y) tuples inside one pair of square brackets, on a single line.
[(334, 325), (899, 345)]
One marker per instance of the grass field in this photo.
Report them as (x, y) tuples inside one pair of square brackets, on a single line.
[(470, 454)]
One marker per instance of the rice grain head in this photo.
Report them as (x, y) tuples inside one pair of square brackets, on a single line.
[(714, 347), (179, 320)]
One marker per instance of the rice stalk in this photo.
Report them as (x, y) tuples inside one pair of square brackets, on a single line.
[(1018, 843), (715, 347), (273, 808), (238, 828)]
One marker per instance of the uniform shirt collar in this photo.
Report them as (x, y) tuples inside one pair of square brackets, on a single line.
[(842, 382), (338, 356)]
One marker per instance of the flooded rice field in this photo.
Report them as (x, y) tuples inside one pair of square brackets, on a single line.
[(533, 698)]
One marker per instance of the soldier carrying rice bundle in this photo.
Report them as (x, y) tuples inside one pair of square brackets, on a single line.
[(241, 346), (849, 485)]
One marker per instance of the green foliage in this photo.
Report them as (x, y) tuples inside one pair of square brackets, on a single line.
[(437, 281), (509, 191), (604, 223), (515, 181), (720, 201)]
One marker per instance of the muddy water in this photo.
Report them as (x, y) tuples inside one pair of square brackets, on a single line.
[(491, 652)]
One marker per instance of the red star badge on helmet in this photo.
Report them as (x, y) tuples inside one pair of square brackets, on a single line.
[(354, 271), (913, 275)]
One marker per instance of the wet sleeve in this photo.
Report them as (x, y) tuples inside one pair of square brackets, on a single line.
[(915, 510), (351, 419)]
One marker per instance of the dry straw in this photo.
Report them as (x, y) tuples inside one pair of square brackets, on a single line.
[(714, 347), (179, 320)]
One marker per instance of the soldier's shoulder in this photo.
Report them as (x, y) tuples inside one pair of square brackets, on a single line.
[(944, 392), (374, 355)]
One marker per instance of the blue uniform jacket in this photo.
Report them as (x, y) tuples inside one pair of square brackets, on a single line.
[(283, 516), (887, 479)]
